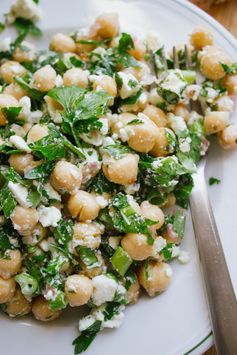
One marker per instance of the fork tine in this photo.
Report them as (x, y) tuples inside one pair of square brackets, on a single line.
[(175, 58), (188, 60)]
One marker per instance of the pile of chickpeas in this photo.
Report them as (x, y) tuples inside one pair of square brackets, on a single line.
[(67, 177)]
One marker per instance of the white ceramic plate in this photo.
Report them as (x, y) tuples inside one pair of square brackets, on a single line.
[(176, 322)]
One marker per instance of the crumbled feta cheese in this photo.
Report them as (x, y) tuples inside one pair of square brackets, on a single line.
[(225, 103), (20, 193), (130, 85), (159, 244), (49, 216), (19, 143), (115, 321), (194, 116), (5, 44), (177, 123), (105, 126), (102, 201), (104, 289), (98, 51), (44, 245), (131, 189), (185, 145), (183, 257), (175, 251), (58, 81), (154, 97), (27, 9), (35, 116), (25, 103), (51, 192), (173, 82), (123, 134), (114, 242), (192, 92), (168, 271), (211, 94), (86, 322)]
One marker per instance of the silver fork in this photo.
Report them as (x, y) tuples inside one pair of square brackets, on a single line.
[(220, 294)]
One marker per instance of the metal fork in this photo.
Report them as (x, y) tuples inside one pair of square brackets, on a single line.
[(220, 294)]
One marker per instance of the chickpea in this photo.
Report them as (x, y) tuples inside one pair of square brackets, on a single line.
[(106, 83), (158, 278), (76, 77), (210, 63), (87, 234), (44, 78), (161, 146), (6, 101), (95, 271), (11, 265), (121, 171), (21, 162), (215, 121), (24, 219), (170, 202), (228, 137), (133, 292), (7, 289), (18, 305), (135, 244), (62, 43), (157, 115), (25, 53), (42, 310), (154, 213), (201, 37), (14, 90), (105, 26), (139, 49), (83, 206), (36, 133), (66, 177), (182, 111), (231, 84), (10, 69), (224, 103), (34, 236), (78, 290)]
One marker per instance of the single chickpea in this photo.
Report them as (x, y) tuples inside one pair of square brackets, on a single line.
[(105, 26), (62, 43), (215, 121), (87, 234), (154, 213), (24, 219), (133, 292), (155, 277), (7, 289), (44, 78), (10, 265), (66, 177), (135, 244), (106, 83), (171, 200), (10, 69), (36, 133), (201, 37), (6, 101), (42, 310), (139, 49), (83, 206), (121, 171), (157, 115), (161, 146), (33, 237), (231, 84), (25, 53), (182, 111), (228, 137), (78, 290), (18, 305), (76, 77), (210, 62), (14, 90), (20, 162)]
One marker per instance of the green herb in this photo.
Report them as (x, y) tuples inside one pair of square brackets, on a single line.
[(7, 201), (100, 184), (229, 70), (11, 114), (159, 60), (111, 309), (27, 283), (125, 42), (88, 257), (213, 181), (50, 147), (2, 26), (86, 337), (117, 151), (130, 279), (63, 232), (126, 220), (183, 190), (34, 197), (121, 261), (31, 92), (76, 62), (179, 222), (169, 96), (135, 121), (25, 26), (93, 42), (42, 172), (59, 302), (4, 241)]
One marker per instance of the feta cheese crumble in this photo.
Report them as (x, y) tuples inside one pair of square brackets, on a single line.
[(104, 289), (19, 143), (130, 85), (20, 193), (177, 123), (49, 216), (26, 9)]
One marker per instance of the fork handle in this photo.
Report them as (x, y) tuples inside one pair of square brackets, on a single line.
[(220, 293)]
